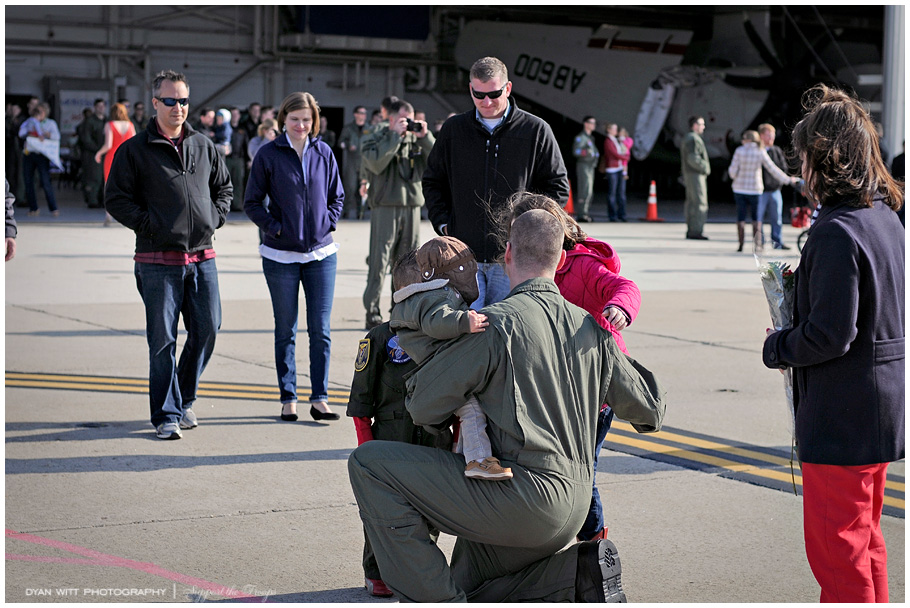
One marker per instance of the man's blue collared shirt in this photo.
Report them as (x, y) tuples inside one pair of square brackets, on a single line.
[(485, 125)]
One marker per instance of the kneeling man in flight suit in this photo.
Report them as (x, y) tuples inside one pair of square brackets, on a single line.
[(540, 371)]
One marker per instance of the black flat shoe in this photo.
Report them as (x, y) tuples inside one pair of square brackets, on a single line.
[(288, 417), (317, 415)]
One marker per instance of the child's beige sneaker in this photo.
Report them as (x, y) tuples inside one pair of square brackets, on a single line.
[(488, 468)]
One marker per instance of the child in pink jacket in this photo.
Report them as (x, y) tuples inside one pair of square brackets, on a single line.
[(590, 279)]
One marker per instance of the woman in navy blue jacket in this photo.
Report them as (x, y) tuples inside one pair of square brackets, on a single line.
[(846, 346), (298, 173)]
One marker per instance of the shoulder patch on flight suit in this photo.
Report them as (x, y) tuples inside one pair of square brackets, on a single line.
[(363, 355), (396, 354)]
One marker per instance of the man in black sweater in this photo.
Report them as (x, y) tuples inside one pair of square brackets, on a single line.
[(480, 159)]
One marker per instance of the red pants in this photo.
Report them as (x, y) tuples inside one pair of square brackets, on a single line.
[(842, 511)]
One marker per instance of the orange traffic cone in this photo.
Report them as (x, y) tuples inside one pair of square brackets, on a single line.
[(652, 205), (570, 206)]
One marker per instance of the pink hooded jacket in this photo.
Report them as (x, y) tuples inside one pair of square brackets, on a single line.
[(590, 280)]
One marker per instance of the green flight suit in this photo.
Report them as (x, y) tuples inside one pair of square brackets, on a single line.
[(540, 372), (395, 165), (377, 392), (349, 142), (584, 149), (695, 169)]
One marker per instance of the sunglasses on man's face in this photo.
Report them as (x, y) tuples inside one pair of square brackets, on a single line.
[(490, 94), (173, 101)]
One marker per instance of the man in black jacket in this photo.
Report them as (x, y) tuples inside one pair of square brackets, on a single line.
[(480, 159), (171, 187)]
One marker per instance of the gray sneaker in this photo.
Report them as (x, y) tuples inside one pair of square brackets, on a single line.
[(169, 430), (188, 421)]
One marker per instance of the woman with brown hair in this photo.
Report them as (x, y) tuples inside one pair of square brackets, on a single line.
[(846, 346), (116, 131), (298, 176)]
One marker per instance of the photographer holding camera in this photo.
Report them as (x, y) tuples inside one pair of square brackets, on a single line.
[(395, 157)]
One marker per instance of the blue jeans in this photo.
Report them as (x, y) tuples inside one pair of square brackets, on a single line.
[(616, 195), (168, 292), (772, 203), (492, 283), (318, 279), (39, 162), (746, 204), (595, 520)]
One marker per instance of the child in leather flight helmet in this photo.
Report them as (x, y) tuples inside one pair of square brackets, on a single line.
[(432, 308)]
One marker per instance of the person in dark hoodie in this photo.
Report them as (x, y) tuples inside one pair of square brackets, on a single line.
[(170, 186), (482, 157), (298, 173)]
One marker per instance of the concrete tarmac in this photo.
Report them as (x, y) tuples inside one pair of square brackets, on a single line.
[(247, 506)]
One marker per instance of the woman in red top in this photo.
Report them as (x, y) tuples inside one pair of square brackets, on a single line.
[(117, 131)]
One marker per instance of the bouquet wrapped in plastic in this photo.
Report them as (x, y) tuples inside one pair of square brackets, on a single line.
[(778, 281)]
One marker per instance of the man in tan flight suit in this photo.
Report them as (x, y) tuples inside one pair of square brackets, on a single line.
[(395, 158), (696, 168)]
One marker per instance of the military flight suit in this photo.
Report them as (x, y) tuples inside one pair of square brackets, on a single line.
[(540, 372), (695, 169), (586, 156), (396, 165), (377, 392), (351, 136)]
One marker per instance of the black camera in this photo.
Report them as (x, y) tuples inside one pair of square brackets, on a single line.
[(414, 126)]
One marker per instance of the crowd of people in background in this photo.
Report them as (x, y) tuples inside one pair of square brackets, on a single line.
[(237, 133), (496, 187)]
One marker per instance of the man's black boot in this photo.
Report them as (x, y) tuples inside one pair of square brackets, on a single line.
[(597, 578)]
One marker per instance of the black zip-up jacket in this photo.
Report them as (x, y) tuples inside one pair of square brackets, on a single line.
[(471, 172), (171, 204)]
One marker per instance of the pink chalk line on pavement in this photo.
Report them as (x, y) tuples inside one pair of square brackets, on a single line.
[(102, 559)]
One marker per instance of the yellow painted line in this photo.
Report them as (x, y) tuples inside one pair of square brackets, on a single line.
[(57, 380), (894, 502), (143, 382), (87, 379), (715, 461), (77, 385), (143, 388), (219, 389), (736, 467), (719, 447)]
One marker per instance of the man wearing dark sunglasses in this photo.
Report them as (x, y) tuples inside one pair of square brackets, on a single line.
[(480, 159), (171, 187)]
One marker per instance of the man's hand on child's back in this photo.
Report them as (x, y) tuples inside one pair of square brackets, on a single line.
[(476, 322)]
